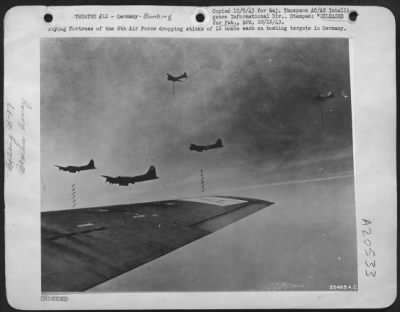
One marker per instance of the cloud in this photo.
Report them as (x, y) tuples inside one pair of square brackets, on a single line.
[(109, 99)]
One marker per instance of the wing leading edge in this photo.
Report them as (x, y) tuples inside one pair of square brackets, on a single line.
[(82, 248)]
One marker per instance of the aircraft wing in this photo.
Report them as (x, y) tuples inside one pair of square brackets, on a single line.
[(82, 248), (197, 148)]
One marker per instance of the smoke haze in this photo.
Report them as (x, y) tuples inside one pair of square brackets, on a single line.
[(109, 99)]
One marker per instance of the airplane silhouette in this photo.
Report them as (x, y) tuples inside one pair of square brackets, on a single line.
[(125, 181), (75, 169), (175, 79), (178, 78), (324, 97), (202, 148)]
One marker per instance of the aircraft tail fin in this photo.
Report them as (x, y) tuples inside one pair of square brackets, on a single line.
[(219, 143), (151, 173), (185, 75), (91, 164)]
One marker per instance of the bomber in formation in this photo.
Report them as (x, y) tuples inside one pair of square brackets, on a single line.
[(151, 173), (125, 181), (75, 169), (175, 79), (202, 148), (323, 97)]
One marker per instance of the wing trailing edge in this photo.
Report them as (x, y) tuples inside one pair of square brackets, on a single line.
[(82, 248)]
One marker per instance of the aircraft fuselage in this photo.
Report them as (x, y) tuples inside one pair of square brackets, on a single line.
[(202, 148), (125, 181), (75, 169)]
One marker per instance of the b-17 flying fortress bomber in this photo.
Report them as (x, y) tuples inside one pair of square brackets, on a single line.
[(323, 97), (176, 79), (75, 169), (125, 181), (202, 148), (193, 142)]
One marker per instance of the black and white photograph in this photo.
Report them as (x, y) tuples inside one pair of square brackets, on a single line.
[(182, 157), (196, 164)]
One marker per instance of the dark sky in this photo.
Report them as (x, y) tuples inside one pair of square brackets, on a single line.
[(108, 99)]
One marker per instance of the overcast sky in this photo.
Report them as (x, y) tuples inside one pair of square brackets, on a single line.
[(109, 99)]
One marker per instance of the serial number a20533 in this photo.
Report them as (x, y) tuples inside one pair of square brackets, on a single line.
[(369, 252)]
